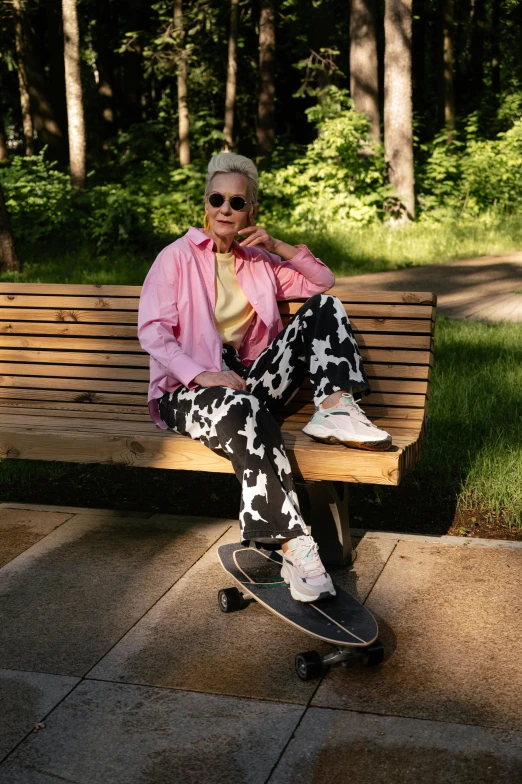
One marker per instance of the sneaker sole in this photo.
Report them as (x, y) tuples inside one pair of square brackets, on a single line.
[(370, 446)]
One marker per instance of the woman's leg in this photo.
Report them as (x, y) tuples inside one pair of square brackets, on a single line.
[(240, 426), (318, 342)]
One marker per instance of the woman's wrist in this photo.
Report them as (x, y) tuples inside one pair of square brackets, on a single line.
[(284, 250)]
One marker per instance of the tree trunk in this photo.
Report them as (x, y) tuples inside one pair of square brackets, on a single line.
[(25, 100), (495, 45), (266, 106), (183, 114), (364, 77), (230, 96), (4, 154), (398, 126), (132, 18), (35, 83), (73, 93), (8, 258), (477, 50), (447, 95), (105, 64)]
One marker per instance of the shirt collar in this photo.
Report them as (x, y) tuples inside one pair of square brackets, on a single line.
[(199, 238)]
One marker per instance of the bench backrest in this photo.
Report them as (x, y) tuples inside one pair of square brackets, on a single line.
[(74, 346)]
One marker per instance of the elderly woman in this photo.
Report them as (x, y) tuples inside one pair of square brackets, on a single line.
[(221, 361)]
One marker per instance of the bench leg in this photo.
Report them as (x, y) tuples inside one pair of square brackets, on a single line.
[(330, 521)]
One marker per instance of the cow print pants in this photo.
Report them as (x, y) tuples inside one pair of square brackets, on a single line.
[(318, 341)]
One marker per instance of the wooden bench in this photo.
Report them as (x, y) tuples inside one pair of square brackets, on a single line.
[(73, 387)]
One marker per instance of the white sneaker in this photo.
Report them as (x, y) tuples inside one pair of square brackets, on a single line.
[(304, 571), (345, 423)]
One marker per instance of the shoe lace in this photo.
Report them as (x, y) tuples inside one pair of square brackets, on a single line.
[(349, 403), (307, 554)]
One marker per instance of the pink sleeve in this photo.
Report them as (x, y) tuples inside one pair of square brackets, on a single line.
[(302, 276), (157, 318)]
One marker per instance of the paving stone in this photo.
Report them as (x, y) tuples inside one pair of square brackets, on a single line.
[(25, 698), (77, 510), (371, 557), (449, 618), (119, 734), (20, 529), (65, 602), (187, 643), (340, 746)]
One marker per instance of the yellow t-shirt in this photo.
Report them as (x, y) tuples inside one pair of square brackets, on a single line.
[(233, 312)]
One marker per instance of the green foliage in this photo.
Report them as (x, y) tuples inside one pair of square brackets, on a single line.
[(38, 197), (468, 174), (338, 179)]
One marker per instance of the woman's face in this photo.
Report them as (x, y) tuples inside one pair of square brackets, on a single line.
[(225, 222)]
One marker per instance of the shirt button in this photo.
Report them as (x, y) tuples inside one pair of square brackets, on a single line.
[(255, 302)]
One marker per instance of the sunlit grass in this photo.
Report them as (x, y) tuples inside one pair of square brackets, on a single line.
[(353, 251), (474, 442), (348, 251)]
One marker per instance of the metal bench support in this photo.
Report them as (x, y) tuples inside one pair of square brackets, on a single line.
[(330, 521)]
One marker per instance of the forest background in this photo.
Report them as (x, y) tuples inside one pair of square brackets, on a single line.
[(388, 133)]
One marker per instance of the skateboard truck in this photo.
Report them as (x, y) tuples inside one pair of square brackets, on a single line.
[(311, 664)]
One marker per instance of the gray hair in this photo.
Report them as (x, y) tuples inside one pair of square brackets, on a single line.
[(230, 163)]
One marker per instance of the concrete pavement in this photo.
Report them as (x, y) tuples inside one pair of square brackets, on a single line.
[(117, 667)]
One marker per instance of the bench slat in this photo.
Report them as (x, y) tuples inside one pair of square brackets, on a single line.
[(84, 384), (67, 329), (50, 411), (343, 291), (388, 357), (69, 315), (100, 316), (91, 398), (128, 330), (75, 344), (94, 344), (371, 310), (93, 303), (78, 371), (142, 374), (386, 325), (115, 411), (72, 358)]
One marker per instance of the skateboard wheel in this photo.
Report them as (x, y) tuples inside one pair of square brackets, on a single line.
[(229, 600), (309, 665), (374, 654)]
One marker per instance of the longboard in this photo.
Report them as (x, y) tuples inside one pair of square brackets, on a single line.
[(341, 620)]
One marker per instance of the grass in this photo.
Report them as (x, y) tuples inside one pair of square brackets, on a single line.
[(471, 467), (474, 444), (348, 251)]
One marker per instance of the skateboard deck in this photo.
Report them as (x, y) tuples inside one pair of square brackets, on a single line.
[(341, 619)]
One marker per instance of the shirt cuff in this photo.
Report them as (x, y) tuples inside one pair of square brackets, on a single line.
[(185, 369)]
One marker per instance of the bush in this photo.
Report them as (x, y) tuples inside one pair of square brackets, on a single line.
[(339, 178), (472, 175), (38, 197)]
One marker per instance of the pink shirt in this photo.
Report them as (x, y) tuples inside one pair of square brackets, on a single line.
[(176, 314)]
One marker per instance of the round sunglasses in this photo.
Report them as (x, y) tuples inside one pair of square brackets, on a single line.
[(237, 203)]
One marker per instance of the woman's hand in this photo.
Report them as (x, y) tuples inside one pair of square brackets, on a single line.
[(223, 378), (259, 237)]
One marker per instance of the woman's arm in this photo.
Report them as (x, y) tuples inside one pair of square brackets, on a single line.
[(299, 274)]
